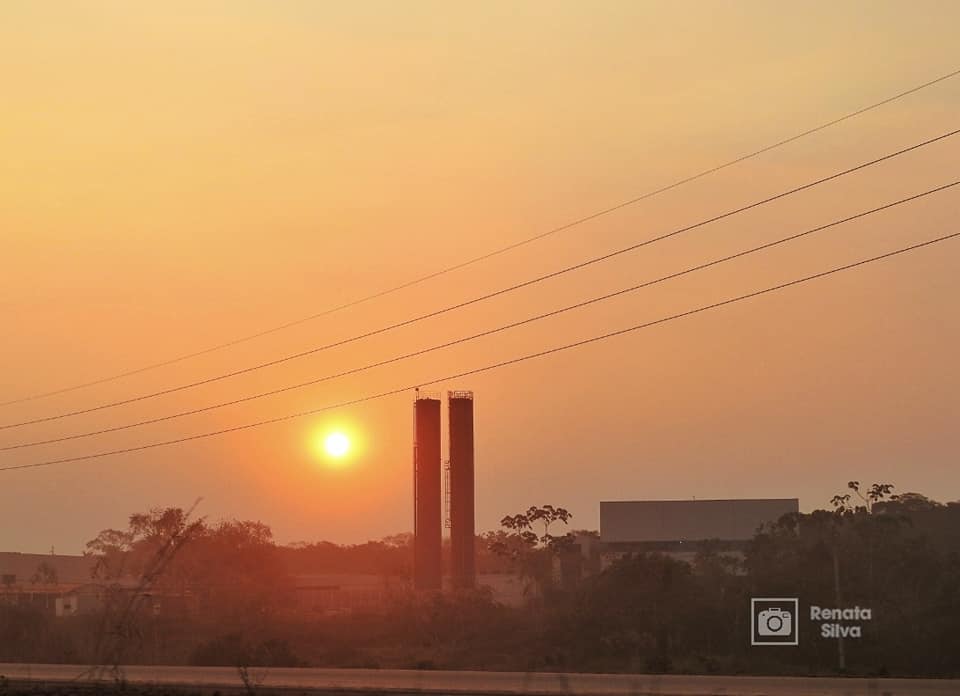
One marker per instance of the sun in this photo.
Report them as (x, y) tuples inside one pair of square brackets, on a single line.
[(336, 445)]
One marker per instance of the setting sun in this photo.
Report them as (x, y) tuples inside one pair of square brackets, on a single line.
[(336, 444)]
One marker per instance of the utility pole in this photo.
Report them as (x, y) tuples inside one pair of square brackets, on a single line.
[(841, 656)]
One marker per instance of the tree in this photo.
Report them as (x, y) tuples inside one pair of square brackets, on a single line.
[(647, 610), (532, 553), (844, 510), (877, 492), (45, 574), (522, 525), (145, 555)]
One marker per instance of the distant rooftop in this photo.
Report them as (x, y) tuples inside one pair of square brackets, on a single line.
[(24, 568), (634, 521)]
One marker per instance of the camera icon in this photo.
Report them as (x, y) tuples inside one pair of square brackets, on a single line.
[(773, 621)]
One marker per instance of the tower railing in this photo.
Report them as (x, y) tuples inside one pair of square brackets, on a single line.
[(447, 521)]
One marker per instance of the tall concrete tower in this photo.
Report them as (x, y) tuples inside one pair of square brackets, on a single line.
[(427, 525), (462, 523)]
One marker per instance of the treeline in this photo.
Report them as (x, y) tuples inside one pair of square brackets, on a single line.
[(391, 556), (245, 553), (647, 612)]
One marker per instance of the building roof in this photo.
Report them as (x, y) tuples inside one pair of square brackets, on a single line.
[(689, 520), (24, 567)]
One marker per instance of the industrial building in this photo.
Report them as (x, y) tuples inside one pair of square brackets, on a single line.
[(57, 584), (34, 570), (680, 527), (63, 585)]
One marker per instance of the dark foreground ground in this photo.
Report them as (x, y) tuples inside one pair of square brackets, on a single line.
[(144, 680)]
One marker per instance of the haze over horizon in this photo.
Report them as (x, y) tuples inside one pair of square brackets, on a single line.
[(179, 176)]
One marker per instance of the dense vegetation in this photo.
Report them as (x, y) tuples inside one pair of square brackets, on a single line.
[(899, 555)]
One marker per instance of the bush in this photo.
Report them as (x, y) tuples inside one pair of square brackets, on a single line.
[(232, 650)]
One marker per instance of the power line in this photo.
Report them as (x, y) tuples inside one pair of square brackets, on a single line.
[(487, 296), (491, 254), (494, 366), (489, 332)]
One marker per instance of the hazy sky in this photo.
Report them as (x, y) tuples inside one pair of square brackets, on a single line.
[(178, 174)]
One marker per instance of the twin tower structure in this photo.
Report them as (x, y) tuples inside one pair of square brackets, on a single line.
[(439, 487)]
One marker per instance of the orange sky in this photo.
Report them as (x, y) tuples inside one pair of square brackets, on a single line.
[(179, 174)]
